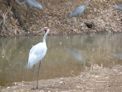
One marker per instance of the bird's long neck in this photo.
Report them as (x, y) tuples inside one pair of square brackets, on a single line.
[(45, 36)]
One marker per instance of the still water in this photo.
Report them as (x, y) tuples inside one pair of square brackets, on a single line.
[(66, 56)]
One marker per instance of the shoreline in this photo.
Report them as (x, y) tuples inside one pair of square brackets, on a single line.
[(95, 78)]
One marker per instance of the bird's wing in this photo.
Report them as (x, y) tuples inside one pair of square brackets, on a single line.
[(36, 54), (77, 11), (38, 48), (34, 4), (119, 6), (35, 48), (81, 8), (32, 60)]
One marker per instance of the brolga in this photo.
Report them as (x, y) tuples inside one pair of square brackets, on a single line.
[(31, 3), (37, 53), (118, 6), (78, 11)]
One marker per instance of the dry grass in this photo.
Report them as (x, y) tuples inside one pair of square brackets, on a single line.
[(100, 15)]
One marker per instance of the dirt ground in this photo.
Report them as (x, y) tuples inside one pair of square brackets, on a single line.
[(93, 79)]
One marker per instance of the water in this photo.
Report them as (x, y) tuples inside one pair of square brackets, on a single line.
[(66, 56)]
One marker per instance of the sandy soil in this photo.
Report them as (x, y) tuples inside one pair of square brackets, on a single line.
[(93, 79)]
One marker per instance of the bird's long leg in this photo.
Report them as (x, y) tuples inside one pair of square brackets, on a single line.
[(38, 74), (33, 75)]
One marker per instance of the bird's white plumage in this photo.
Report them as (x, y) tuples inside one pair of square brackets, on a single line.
[(37, 53)]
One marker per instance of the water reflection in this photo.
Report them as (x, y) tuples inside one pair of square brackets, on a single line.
[(65, 57), (118, 55), (76, 54)]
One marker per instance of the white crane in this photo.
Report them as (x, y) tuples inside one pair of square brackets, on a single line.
[(37, 53)]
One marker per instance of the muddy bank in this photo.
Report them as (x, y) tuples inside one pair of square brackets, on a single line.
[(93, 79), (99, 16)]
